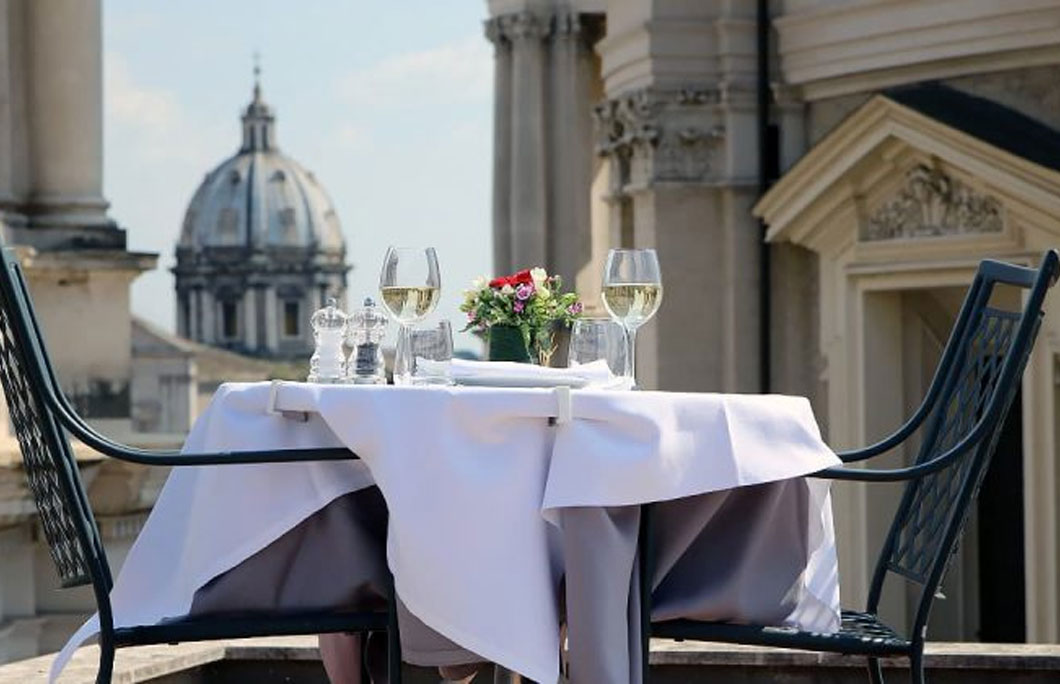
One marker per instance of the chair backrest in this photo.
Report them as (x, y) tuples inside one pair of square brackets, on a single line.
[(51, 470), (975, 383)]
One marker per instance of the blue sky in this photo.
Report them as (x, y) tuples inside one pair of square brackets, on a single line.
[(388, 103)]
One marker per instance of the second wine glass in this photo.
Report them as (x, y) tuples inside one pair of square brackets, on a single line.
[(632, 293), (410, 284)]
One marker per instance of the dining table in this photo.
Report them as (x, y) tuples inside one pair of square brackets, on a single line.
[(501, 512)]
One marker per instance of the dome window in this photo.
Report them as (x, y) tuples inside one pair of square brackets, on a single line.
[(234, 177), (287, 222), (279, 176), (227, 220)]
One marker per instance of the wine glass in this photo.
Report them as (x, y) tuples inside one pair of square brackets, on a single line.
[(431, 351), (592, 339), (410, 284), (632, 293)]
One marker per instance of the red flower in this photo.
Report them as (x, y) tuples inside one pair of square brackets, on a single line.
[(518, 278), (521, 278)]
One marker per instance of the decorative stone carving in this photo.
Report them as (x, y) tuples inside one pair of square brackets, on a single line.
[(663, 135), (933, 204), (562, 24)]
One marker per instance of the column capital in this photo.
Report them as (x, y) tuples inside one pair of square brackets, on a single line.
[(567, 24), (525, 26), (663, 135)]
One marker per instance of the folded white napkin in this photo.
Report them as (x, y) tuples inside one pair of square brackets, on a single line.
[(595, 375)]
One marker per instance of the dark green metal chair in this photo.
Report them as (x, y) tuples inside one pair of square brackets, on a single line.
[(41, 416), (962, 415)]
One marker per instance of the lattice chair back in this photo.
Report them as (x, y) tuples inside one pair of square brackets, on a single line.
[(51, 470), (974, 386)]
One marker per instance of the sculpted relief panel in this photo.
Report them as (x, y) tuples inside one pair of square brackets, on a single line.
[(933, 204)]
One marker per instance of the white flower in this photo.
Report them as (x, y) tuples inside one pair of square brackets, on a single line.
[(540, 276), (479, 283), (507, 289), (543, 292)]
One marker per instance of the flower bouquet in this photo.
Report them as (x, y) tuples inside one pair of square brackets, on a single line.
[(530, 302)]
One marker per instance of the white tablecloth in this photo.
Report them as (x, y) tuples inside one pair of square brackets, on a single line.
[(472, 477)]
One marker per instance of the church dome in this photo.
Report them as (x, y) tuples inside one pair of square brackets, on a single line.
[(261, 248), (260, 198)]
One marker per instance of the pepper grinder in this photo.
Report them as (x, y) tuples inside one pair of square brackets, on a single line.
[(367, 326), (328, 363)]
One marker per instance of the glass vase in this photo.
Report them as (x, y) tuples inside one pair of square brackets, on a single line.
[(506, 343)]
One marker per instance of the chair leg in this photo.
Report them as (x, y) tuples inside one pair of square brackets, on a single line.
[(875, 671), (916, 667), (106, 662)]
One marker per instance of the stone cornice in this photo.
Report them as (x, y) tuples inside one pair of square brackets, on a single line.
[(838, 49)]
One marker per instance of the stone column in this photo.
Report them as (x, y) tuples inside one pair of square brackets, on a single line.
[(250, 319), (209, 316), (570, 144), (65, 103), (528, 192), (14, 145), (271, 320), (502, 145), (196, 315)]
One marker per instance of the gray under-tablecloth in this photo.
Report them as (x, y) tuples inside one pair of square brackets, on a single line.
[(736, 555), (335, 559)]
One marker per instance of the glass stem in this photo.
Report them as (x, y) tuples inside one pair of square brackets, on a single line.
[(402, 373), (631, 353)]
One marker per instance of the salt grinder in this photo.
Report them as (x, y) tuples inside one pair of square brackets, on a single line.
[(328, 363), (366, 330)]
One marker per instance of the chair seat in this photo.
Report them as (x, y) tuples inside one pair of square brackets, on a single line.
[(214, 626), (859, 634)]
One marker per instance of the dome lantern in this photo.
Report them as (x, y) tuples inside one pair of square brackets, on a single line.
[(258, 121)]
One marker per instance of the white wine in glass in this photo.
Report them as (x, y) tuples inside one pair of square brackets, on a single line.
[(410, 285), (632, 304), (410, 304), (632, 293)]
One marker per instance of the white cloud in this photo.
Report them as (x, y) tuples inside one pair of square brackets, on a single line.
[(130, 103), (150, 117), (457, 72)]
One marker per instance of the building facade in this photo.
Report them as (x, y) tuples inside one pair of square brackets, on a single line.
[(261, 248), (908, 140)]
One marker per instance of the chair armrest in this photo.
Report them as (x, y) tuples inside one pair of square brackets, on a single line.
[(912, 472), (888, 443), (171, 458), (104, 445)]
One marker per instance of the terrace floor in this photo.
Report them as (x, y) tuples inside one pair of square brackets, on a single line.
[(297, 660)]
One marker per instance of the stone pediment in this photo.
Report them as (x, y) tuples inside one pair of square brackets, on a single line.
[(902, 170)]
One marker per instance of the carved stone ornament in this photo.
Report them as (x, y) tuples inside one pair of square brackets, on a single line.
[(562, 24), (664, 136), (933, 204)]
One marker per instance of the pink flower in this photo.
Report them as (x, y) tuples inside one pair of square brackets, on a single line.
[(575, 308), (471, 316), (519, 306), (523, 292)]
